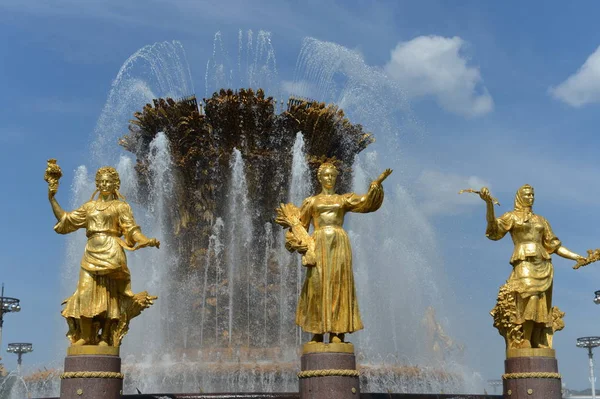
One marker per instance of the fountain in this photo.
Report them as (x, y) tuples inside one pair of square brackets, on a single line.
[(210, 175), (14, 385)]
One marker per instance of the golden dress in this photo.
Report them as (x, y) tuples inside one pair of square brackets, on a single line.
[(533, 272), (328, 301), (104, 275)]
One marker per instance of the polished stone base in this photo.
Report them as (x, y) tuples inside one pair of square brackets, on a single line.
[(531, 374), (328, 371), (258, 395), (91, 376)]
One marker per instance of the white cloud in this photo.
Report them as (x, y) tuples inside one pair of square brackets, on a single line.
[(583, 87), (438, 192), (435, 66)]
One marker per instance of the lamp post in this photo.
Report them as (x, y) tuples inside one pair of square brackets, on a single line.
[(20, 348), (590, 343), (597, 297), (7, 305)]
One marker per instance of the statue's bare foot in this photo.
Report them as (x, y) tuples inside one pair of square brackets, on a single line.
[(102, 343), (79, 342), (316, 339)]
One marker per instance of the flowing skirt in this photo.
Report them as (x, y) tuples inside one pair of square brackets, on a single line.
[(328, 302), (95, 296), (103, 278), (532, 279)]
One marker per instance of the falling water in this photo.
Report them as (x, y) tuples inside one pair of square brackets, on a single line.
[(300, 183), (82, 188), (239, 267), (255, 64), (300, 188), (150, 267), (128, 176), (18, 387), (336, 74), (157, 70), (265, 299), (392, 269), (214, 258)]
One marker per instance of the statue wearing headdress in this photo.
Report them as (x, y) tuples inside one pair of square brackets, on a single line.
[(524, 314), (99, 311)]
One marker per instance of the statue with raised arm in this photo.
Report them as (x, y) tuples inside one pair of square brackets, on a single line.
[(328, 302), (524, 314), (100, 309)]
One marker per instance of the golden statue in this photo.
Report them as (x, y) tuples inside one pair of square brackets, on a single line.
[(99, 311), (438, 342), (524, 314), (328, 301)]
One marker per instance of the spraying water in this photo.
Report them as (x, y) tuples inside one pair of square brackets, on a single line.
[(254, 66), (300, 188), (239, 257), (157, 70), (151, 268), (14, 386)]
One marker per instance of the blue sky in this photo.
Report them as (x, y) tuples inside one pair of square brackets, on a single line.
[(501, 93)]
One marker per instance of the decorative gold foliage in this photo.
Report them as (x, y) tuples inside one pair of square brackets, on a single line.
[(593, 256), (557, 324), (297, 238), (505, 313)]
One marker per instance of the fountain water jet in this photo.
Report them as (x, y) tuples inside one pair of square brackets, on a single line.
[(300, 188), (157, 70), (239, 259)]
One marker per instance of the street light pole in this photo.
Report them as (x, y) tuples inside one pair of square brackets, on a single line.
[(590, 343), (592, 378), (20, 348), (7, 305)]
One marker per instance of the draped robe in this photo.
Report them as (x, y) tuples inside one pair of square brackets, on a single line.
[(328, 302), (104, 275), (533, 272)]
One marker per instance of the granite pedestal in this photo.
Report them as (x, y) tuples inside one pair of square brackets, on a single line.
[(328, 371), (92, 372), (531, 374)]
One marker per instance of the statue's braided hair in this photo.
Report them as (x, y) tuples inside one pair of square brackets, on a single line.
[(326, 165), (114, 175)]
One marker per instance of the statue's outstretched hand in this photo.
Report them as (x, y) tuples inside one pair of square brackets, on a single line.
[(52, 189), (485, 195), (383, 176), (151, 242), (581, 261), (593, 256), (52, 175)]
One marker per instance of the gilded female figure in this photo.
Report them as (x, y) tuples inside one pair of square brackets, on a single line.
[(328, 301), (99, 310), (528, 291)]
